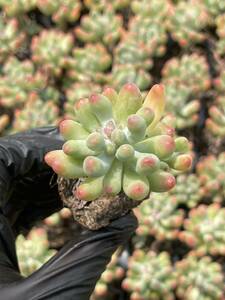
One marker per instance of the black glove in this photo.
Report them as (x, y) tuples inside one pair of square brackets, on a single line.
[(28, 192)]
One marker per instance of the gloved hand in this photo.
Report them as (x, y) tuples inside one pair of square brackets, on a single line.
[(28, 192)]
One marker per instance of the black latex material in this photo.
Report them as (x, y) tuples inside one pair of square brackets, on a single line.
[(28, 192)]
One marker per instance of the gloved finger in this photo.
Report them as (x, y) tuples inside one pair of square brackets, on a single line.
[(73, 272), (21, 157)]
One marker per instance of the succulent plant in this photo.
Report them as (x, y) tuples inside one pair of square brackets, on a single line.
[(17, 7), (181, 104), (75, 92), (160, 217), (190, 70), (220, 22), (33, 251), (214, 7), (151, 33), (120, 143), (35, 113), (216, 121), (50, 50), (205, 230), (122, 74), (103, 4), (219, 82), (187, 21), (154, 9), (89, 64), (11, 38), (150, 276), (62, 11), (113, 272), (18, 80), (199, 279), (100, 27), (187, 191), (56, 218), (212, 177)]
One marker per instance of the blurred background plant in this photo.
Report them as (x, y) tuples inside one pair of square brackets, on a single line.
[(52, 53)]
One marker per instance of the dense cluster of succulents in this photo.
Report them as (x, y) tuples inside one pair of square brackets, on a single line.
[(211, 174), (99, 27), (89, 64), (18, 79), (120, 143), (205, 230), (33, 251), (50, 50), (187, 22), (199, 278), (54, 53), (150, 276), (159, 217), (62, 11), (35, 113)]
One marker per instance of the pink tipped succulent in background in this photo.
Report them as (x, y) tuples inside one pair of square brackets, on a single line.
[(119, 143)]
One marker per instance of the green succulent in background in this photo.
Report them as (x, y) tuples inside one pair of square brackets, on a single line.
[(190, 70), (159, 217), (212, 177), (187, 21), (187, 191), (150, 276), (180, 102), (220, 22), (219, 82), (103, 4), (57, 218), (119, 143), (100, 27), (112, 274), (62, 11), (122, 74), (216, 121), (89, 64), (33, 251), (4, 122), (50, 50), (199, 279), (11, 37), (18, 80), (204, 230), (154, 9), (150, 33), (76, 91), (214, 7), (17, 7), (35, 113)]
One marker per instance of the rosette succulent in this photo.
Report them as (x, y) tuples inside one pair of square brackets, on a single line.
[(33, 251), (159, 217), (89, 64), (150, 276), (62, 11), (50, 50), (151, 33), (187, 21), (35, 113), (11, 37), (120, 143), (18, 80), (199, 279), (212, 177), (17, 7), (190, 70), (100, 27), (205, 230)]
